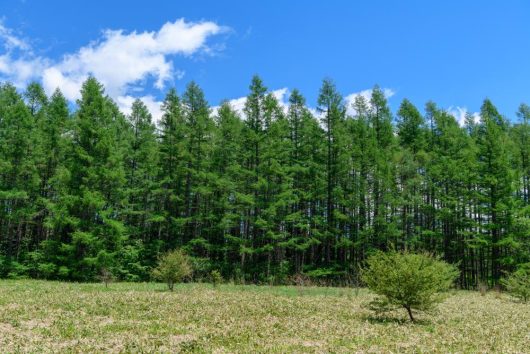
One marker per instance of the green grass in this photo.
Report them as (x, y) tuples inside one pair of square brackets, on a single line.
[(40, 316)]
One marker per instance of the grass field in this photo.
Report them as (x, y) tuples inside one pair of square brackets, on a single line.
[(39, 316)]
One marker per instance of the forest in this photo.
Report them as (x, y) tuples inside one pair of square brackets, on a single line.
[(261, 196)]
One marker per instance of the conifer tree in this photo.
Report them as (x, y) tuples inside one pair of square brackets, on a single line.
[(196, 160), (332, 109), (260, 197), (173, 133), (255, 184), (18, 177), (229, 202), (96, 181), (380, 118), (411, 159), (496, 181)]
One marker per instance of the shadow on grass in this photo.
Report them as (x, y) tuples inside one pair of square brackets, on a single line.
[(162, 290), (389, 319)]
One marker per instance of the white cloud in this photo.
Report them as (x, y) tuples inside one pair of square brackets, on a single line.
[(366, 94), (123, 61), (282, 95), (460, 114), (17, 62), (21, 70), (11, 41), (154, 106), (238, 104), (119, 60)]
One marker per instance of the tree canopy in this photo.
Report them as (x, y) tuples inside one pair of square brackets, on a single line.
[(262, 194)]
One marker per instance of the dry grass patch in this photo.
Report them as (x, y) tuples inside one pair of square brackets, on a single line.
[(37, 316)]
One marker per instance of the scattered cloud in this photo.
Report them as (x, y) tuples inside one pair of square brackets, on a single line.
[(123, 61), (238, 104), (120, 60), (21, 70), (366, 94), (18, 64), (10, 40), (282, 95), (154, 106), (460, 114)]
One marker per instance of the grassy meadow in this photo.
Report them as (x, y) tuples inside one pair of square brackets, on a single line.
[(43, 316)]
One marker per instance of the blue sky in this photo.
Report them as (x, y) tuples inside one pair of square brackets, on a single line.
[(454, 52)]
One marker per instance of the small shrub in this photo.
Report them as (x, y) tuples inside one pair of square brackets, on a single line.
[(106, 276), (300, 280), (129, 263), (352, 281), (18, 271), (172, 268), (518, 284), (407, 280), (282, 272), (63, 272), (216, 278), (483, 288), (46, 270), (104, 262), (497, 293), (271, 280), (202, 268), (239, 277)]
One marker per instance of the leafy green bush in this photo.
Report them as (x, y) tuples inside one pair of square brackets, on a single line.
[(17, 270), (216, 277), (63, 272), (46, 270), (407, 280), (201, 268), (518, 284), (172, 268), (129, 263)]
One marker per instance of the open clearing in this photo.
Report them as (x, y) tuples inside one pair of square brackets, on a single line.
[(40, 316)]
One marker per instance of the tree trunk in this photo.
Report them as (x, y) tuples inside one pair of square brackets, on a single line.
[(409, 310)]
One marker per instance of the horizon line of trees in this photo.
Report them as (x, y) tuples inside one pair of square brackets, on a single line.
[(262, 198)]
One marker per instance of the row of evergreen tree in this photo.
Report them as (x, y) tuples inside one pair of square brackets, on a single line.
[(276, 193)]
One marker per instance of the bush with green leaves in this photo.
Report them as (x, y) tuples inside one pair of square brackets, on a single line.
[(201, 267), (17, 270), (172, 268), (518, 283), (415, 282), (216, 278)]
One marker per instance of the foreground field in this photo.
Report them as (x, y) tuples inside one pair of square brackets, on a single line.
[(38, 316)]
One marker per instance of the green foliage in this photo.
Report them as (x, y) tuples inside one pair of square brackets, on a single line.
[(130, 263), (407, 280), (17, 271), (172, 268), (262, 195), (216, 278), (518, 283)]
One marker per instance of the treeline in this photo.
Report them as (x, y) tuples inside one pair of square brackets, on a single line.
[(261, 197)]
